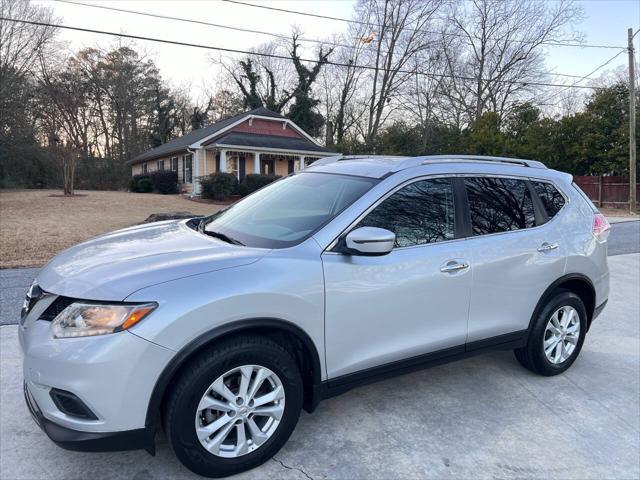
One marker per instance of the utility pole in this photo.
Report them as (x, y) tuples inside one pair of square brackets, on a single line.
[(632, 125)]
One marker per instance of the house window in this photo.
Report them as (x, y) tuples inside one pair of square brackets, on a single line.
[(160, 164), (144, 168), (187, 165), (174, 164)]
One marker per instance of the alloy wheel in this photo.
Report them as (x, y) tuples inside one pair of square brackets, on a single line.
[(562, 334), (240, 411)]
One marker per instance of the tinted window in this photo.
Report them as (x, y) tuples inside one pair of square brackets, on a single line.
[(499, 205), (286, 211), (419, 213), (551, 198)]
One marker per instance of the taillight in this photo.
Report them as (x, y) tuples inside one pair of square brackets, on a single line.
[(601, 227)]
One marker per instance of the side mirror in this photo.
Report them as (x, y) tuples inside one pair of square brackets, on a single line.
[(369, 241)]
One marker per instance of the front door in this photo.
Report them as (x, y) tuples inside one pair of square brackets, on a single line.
[(410, 302), (268, 167)]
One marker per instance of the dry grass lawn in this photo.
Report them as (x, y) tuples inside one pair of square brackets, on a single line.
[(34, 226)]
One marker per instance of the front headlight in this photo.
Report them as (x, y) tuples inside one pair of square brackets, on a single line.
[(87, 319)]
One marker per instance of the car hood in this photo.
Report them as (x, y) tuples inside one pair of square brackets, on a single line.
[(113, 266)]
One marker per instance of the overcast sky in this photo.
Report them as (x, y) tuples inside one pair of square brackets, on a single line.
[(606, 22)]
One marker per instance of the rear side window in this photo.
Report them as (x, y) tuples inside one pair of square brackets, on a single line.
[(551, 198), (499, 205), (420, 213)]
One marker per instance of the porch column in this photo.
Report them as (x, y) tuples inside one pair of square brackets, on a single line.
[(198, 159), (223, 160), (256, 163), (301, 162), (204, 162)]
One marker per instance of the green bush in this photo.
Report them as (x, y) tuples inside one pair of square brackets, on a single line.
[(140, 183), (145, 185), (164, 181), (219, 185), (255, 181)]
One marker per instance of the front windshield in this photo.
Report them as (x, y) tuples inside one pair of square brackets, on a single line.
[(287, 211)]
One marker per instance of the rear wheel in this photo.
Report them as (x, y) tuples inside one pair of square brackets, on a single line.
[(556, 336), (234, 406)]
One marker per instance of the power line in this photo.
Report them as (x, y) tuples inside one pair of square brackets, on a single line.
[(273, 55), (360, 22), (241, 29), (202, 22), (575, 85)]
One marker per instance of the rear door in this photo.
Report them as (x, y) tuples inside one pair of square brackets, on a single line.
[(516, 254), (410, 302)]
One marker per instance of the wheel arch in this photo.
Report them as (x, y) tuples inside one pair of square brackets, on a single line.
[(303, 349), (577, 283)]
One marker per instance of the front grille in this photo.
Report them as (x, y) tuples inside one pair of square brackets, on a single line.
[(56, 308), (70, 404)]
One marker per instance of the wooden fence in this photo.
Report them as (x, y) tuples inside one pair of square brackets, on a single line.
[(607, 192)]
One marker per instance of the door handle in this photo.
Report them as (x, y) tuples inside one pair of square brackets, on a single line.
[(547, 247), (454, 267)]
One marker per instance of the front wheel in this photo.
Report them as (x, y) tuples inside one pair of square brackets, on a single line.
[(556, 336), (234, 406)]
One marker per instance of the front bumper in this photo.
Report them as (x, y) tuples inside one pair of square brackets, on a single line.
[(142, 438), (113, 375)]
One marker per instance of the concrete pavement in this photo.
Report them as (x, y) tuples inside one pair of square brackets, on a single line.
[(484, 417)]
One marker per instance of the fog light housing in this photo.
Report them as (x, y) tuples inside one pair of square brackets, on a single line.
[(69, 404)]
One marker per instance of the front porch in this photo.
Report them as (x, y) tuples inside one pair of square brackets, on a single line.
[(241, 162)]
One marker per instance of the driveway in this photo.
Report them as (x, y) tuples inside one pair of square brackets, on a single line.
[(484, 417)]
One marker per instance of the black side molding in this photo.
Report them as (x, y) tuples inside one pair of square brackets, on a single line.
[(339, 385)]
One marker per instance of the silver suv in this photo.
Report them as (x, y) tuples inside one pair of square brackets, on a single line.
[(221, 329)]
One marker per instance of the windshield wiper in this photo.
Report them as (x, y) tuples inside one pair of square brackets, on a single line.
[(222, 236)]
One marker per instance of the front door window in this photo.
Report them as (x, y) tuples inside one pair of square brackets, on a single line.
[(419, 213)]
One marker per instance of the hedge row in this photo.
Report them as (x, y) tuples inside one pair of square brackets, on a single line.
[(161, 181), (219, 185)]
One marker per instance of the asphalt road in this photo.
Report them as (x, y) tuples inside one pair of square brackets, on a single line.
[(624, 238), (484, 417)]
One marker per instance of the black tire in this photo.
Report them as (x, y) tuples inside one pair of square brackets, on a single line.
[(532, 355), (200, 373)]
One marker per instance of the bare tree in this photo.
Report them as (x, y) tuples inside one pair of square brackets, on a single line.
[(67, 106), (20, 47), (401, 31), (21, 44), (262, 81), (500, 45), (342, 80), (67, 161)]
